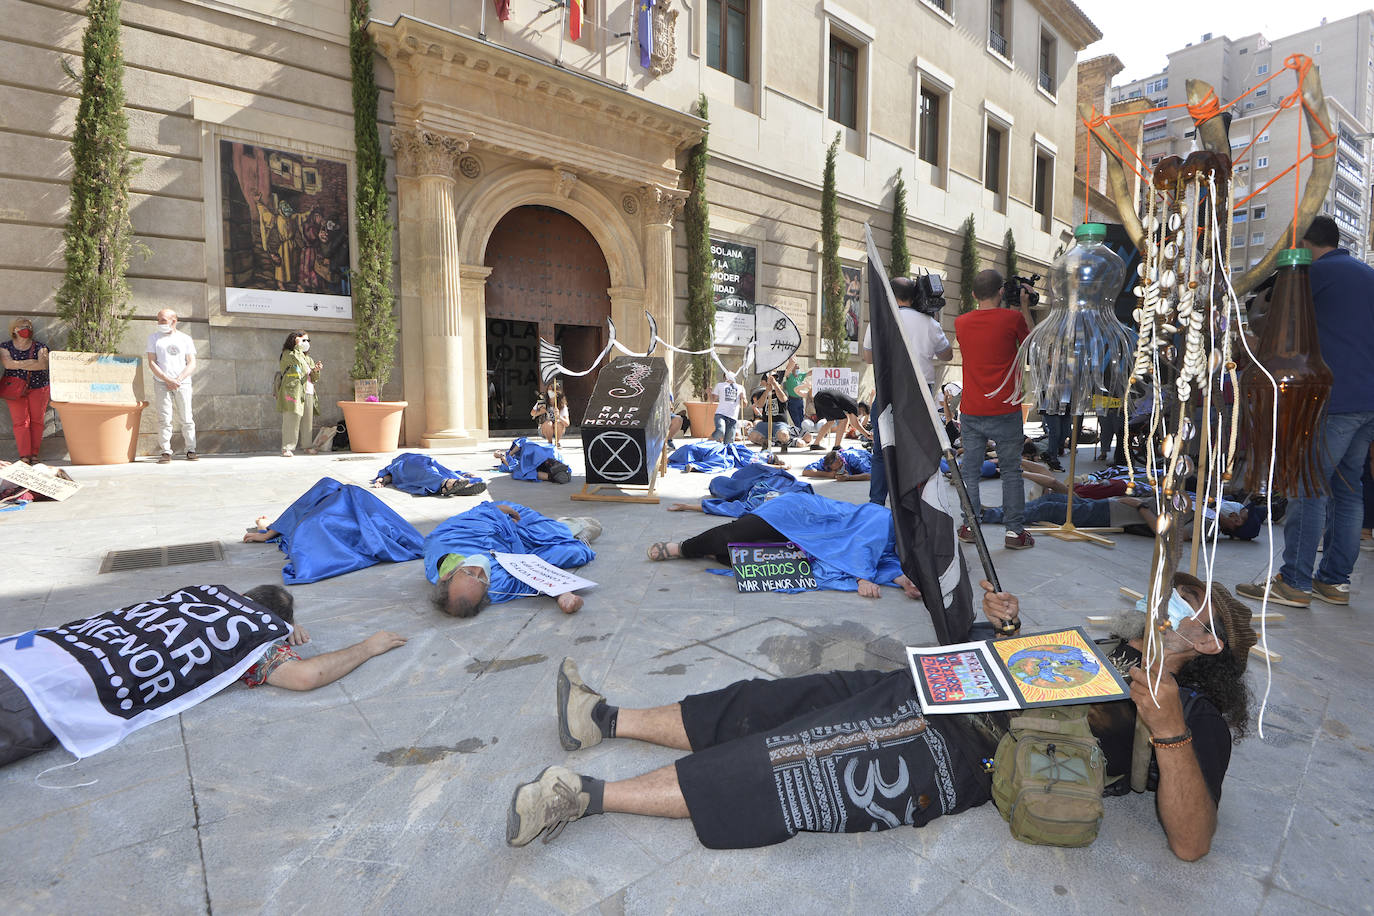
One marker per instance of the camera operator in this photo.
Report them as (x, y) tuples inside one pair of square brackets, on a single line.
[(919, 304), (990, 339)]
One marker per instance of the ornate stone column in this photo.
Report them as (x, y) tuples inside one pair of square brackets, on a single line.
[(431, 157), (660, 206)]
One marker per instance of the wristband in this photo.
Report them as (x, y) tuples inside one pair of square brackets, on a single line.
[(1175, 741)]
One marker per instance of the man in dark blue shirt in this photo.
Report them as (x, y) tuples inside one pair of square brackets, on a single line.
[(1343, 293)]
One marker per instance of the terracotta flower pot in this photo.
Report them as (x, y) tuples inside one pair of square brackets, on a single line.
[(373, 426), (100, 433), (702, 416)]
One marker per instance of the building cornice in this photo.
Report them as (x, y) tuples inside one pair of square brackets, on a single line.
[(1070, 22)]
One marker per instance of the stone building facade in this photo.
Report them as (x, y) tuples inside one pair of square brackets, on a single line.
[(537, 178)]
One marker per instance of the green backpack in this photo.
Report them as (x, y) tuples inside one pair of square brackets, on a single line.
[(1048, 777)]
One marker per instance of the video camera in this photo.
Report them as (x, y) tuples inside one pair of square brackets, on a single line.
[(1011, 291), (927, 294)]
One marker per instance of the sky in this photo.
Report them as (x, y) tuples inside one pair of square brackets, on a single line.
[(1143, 35)]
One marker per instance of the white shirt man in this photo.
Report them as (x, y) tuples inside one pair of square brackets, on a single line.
[(728, 396), (172, 358), (926, 336)]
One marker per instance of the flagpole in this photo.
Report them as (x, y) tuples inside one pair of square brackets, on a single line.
[(482, 29), (562, 31), (629, 47)]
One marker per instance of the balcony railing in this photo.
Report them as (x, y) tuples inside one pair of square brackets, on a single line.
[(1348, 172), (1350, 145), (1047, 82), (998, 42)]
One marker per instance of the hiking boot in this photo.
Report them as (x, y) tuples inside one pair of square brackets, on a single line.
[(468, 488), (576, 728), (560, 473), (192, 456), (1330, 592), (966, 534), (1022, 541), (164, 458), (547, 804), (1280, 592)]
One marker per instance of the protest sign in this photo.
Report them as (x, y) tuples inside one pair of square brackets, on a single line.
[(845, 381), (96, 680), (365, 388), (541, 575), (40, 479), (95, 378), (771, 568)]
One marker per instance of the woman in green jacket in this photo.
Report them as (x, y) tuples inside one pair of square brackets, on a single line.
[(296, 374)]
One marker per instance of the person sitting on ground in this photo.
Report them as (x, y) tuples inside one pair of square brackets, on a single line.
[(785, 434), (552, 423), (528, 460), (744, 491), (846, 464), (851, 546), (466, 578), (335, 528), (24, 732), (758, 771), (421, 475)]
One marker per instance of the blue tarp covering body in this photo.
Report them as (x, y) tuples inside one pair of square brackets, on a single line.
[(336, 528), (847, 541), (485, 528), (524, 464), (856, 461), (748, 488), (988, 472), (709, 456), (421, 475)]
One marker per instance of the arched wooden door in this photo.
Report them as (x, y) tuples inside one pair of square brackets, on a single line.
[(548, 279)]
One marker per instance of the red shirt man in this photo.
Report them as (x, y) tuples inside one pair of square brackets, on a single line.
[(989, 339)]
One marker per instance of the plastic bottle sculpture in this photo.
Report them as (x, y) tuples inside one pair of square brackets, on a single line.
[(1290, 350), (1080, 349)]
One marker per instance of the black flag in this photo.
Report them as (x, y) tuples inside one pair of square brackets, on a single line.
[(924, 506)]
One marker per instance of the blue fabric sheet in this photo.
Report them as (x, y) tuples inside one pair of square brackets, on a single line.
[(989, 468), (528, 456), (856, 461), (710, 457), (748, 488), (485, 528), (848, 542), (421, 475), (336, 528)]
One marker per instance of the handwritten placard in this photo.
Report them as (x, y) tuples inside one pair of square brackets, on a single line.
[(844, 381), (40, 479), (541, 575), (95, 378), (771, 568), (364, 388)]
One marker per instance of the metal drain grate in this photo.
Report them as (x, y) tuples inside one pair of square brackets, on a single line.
[(153, 557)]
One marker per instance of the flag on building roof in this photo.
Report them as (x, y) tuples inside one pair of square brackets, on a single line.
[(574, 19), (925, 508)]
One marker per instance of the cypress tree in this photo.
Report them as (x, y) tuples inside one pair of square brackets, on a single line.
[(968, 265), (835, 349), (94, 298), (374, 325), (701, 302), (1009, 242), (901, 257)]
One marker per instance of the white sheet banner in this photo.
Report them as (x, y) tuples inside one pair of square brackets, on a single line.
[(96, 680), (541, 575)]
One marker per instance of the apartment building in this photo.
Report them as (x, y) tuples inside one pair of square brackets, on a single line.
[(536, 174)]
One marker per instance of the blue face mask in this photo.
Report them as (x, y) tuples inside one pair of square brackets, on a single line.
[(1179, 609), (480, 561)]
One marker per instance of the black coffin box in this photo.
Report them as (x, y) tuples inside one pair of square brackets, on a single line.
[(626, 421)]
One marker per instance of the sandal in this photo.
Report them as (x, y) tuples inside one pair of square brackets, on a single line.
[(659, 551)]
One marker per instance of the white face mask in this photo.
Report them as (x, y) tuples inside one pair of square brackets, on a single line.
[(481, 562), (304, 345), (165, 328), (1179, 608)]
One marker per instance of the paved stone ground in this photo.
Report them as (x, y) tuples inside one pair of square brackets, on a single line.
[(388, 790)]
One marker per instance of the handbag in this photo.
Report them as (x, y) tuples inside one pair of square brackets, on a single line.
[(12, 387)]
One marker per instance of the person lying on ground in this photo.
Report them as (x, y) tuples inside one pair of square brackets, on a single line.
[(846, 464), (709, 456), (421, 475), (744, 491), (769, 759), (1132, 514), (335, 528), (466, 577), (851, 546), (529, 460), (58, 689)]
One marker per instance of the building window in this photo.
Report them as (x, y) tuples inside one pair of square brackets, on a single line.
[(1049, 65), (727, 37), (944, 6), (994, 154), (1257, 213), (1262, 69), (1262, 162), (1238, 241), (1262, 92), (1239, 216), (998, 28), (1263, 138), (844, 83), (1257, 238), (1044, 187), (928, 142)]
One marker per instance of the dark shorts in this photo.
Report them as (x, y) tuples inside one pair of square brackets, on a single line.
[(22, 732), (831, 405), (842, 752)]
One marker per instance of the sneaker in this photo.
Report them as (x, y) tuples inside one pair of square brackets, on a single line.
[(583, 528), (469, 488), (1330, 592), (966, 534), (1366, 543), (546, 806), (1052, 462), (192, 456), (561, 473), (1022, 541), (576, 700), (165, 458), (286, 453), (817, 448), (1280, 592)]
